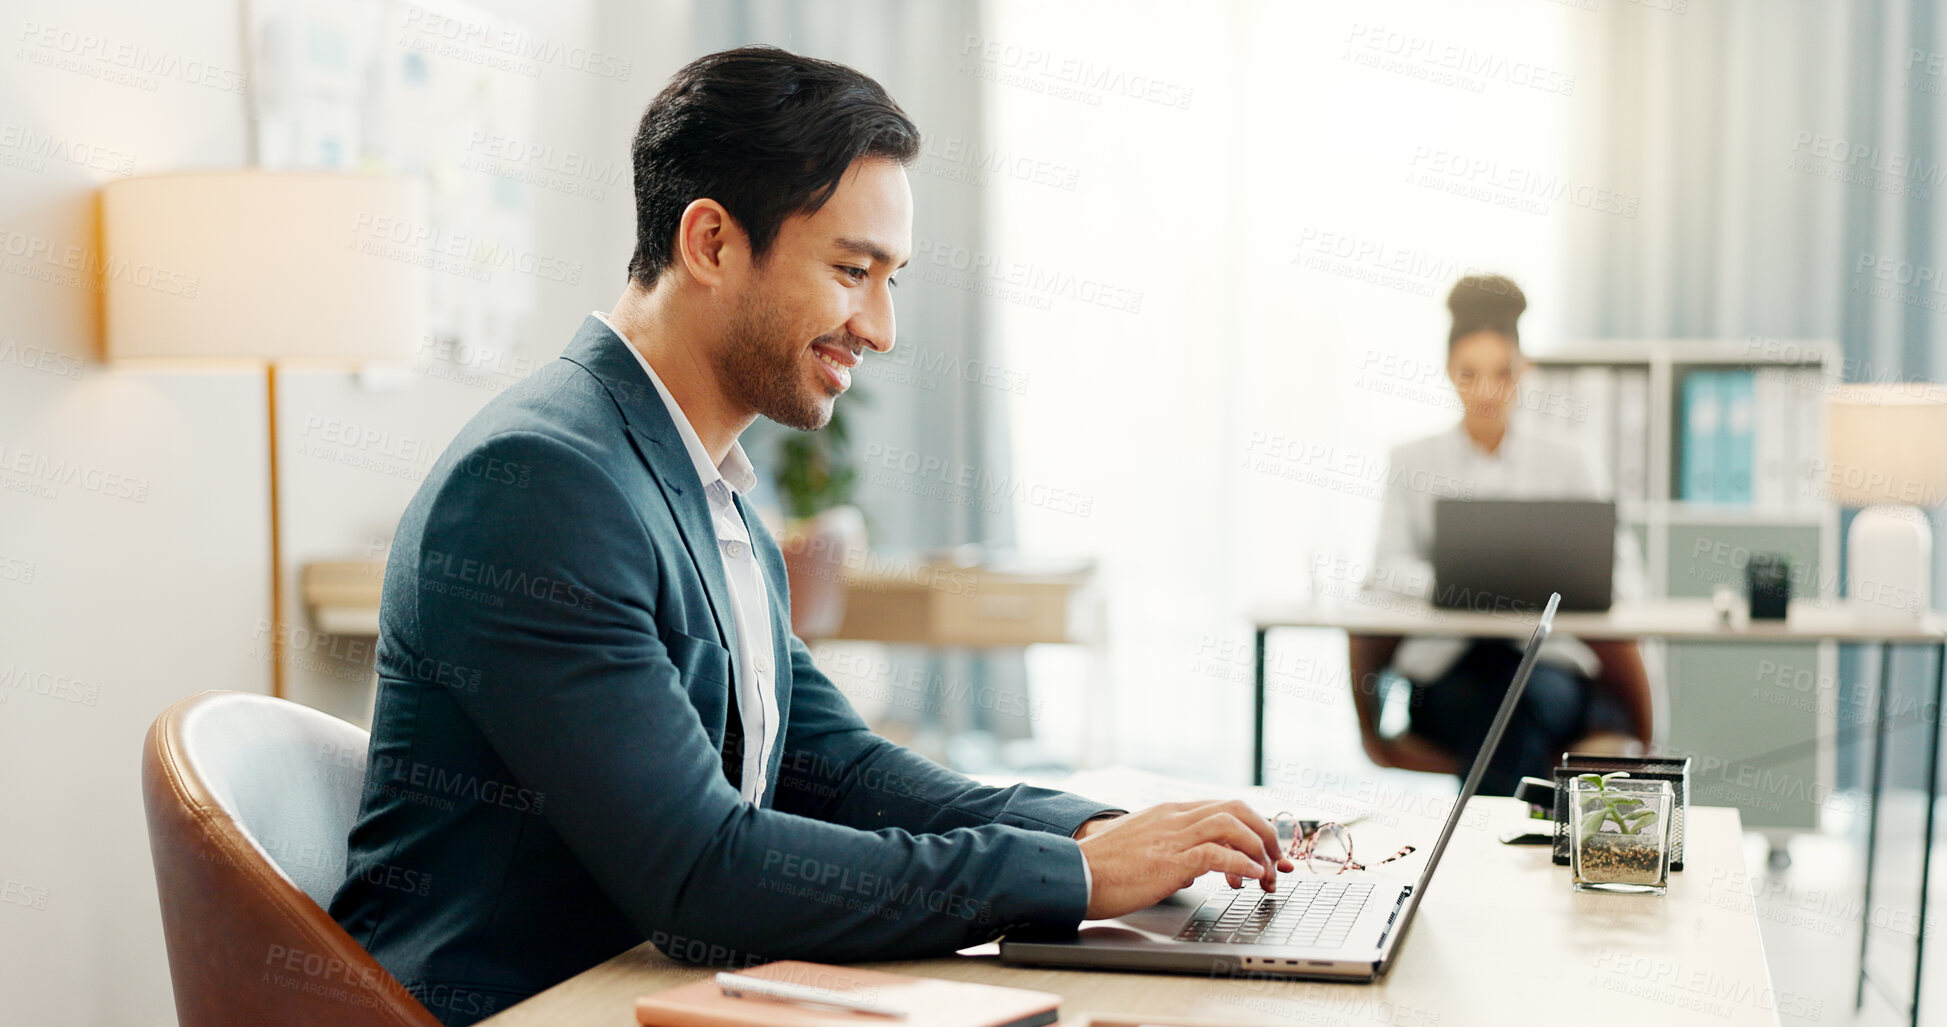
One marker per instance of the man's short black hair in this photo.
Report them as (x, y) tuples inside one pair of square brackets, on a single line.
[(764, 132)]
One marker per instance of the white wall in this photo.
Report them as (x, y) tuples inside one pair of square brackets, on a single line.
[(342, 499), (146, 577)]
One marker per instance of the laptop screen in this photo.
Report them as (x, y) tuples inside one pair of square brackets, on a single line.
[(1474, 775)]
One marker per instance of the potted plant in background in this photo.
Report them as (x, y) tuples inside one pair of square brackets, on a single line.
[(823, 531), (1621, 832)]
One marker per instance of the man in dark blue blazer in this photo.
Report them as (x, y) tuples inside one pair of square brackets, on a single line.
[(594, 725)]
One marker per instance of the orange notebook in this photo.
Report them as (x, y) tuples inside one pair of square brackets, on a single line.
[(927, 1002)]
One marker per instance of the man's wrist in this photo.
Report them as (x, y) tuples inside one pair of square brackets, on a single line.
[(1083, 830)]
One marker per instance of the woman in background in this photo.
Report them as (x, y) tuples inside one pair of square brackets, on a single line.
[(1583, 697)]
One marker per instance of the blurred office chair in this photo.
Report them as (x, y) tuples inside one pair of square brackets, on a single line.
[(249, 801)]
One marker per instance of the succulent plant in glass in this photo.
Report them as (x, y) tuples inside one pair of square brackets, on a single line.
[(1621, 831)]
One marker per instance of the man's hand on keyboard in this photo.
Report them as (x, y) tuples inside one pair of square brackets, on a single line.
[(1139, 859)]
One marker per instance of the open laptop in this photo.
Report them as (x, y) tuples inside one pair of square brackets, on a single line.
[(1344, 927), (1495, 554)]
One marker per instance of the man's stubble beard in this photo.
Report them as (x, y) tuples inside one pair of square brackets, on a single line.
[(763, 371)]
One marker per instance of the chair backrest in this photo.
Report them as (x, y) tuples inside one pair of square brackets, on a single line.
[(249, 802)]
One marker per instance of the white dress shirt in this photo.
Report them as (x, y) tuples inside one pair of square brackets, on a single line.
[(1451, 466), (749, 601)]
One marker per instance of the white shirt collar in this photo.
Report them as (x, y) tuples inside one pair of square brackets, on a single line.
[(735, 471)]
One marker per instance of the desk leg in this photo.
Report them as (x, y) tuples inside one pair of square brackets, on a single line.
[(1872, 815), (1257, 710), (1926, 840)]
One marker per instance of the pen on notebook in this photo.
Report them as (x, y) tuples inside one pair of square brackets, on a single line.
[(740, 986)]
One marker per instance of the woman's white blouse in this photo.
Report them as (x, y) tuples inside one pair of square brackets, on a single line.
[(1450, 466)]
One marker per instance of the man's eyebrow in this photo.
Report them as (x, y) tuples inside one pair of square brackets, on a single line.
[(870, 249)]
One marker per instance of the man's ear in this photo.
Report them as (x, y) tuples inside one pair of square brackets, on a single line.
[(710, 243)]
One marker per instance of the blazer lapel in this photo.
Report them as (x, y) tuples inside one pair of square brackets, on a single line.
[(655, 439)]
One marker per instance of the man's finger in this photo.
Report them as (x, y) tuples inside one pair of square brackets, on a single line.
[(1223, 826), (1213, 856), (1255, 821)]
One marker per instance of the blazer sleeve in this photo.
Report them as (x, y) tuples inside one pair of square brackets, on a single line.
[(581, 698), (834, 768)]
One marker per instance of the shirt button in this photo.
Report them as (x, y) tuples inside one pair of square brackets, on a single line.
[(733, 548)]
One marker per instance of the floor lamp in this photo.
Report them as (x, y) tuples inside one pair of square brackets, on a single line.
[(262, 268)]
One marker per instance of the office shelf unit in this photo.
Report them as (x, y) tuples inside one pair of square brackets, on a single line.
[(1760, 718)]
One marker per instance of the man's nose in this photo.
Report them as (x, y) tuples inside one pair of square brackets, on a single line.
[(875, 324)]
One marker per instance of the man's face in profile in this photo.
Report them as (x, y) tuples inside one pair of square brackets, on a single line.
[(823, 295)]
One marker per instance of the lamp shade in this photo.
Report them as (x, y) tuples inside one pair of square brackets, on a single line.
[(263, 266), (1887, 444)]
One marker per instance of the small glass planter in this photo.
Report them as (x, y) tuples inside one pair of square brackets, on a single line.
[(1620, 833)]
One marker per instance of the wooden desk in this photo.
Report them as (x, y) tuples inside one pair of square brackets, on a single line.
[(1500, 938), (1688, 620), (921, 604), (985, 607), (972, 607)]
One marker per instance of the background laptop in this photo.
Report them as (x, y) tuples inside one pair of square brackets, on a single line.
[(1497, 554), (1325, 925)]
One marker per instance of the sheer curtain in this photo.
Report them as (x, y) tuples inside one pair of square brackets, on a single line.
[(1787, 154), (1230, 304), (927, 414)]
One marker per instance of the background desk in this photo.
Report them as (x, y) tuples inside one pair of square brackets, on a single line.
[(939, 606), (1686, 620), (1693, 956), (986, 607), (921, 604)]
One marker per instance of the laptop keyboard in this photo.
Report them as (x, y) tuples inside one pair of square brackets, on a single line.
[(1307, 913)]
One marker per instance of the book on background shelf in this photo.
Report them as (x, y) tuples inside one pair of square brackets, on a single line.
[(1734, 397), (1601, 410), (1752, 438), (1631, 459), (1771, 441), (1594, 393), (1702, 416), (1749, 437), (1805, 403)]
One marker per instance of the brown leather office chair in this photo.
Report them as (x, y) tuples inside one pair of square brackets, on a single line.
[(249, 801)]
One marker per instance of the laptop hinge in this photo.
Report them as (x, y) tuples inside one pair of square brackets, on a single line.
[(1405, 894)]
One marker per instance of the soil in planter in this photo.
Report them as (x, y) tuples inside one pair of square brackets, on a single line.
[(1613, 859)]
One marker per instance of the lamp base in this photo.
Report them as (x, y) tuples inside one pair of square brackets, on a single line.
[(1889, 553)]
